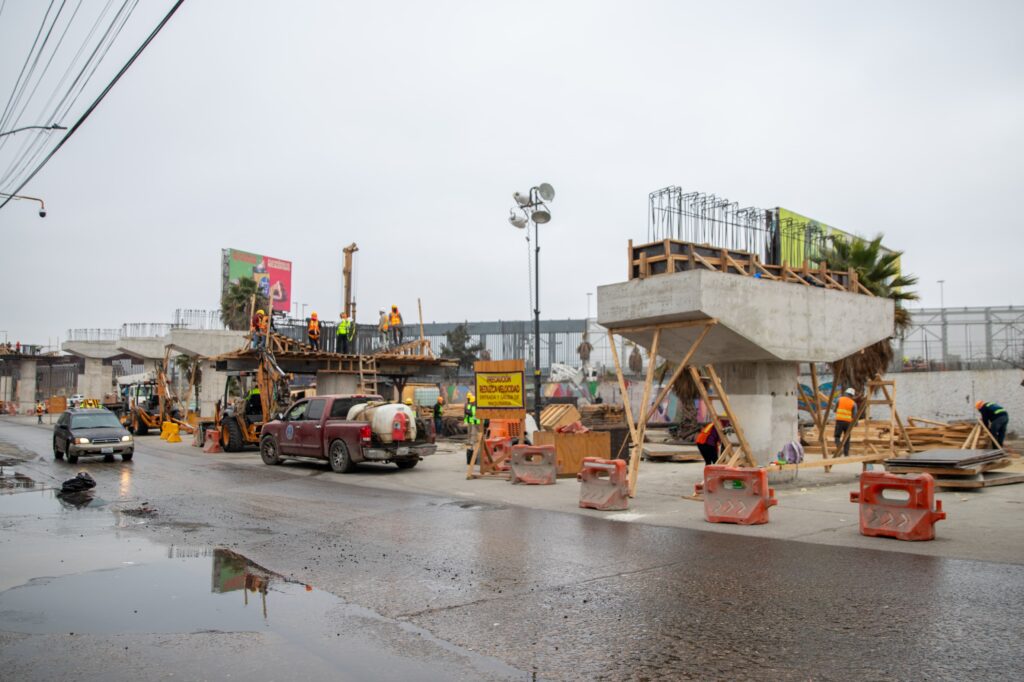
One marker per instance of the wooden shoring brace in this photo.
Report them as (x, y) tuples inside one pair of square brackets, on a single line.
[(637, 428), (480, 443), (744, 453), (896, 421)]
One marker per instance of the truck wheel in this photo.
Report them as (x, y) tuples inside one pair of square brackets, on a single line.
[(234, 442), (407, 463), (127, 456), (268, 451), (341, 462), (57, 454)]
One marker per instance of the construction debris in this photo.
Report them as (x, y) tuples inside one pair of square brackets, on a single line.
[(554, 416)]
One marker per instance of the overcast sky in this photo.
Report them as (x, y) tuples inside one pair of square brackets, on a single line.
[(292, 129)]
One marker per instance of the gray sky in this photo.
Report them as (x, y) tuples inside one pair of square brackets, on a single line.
[(293, 129)]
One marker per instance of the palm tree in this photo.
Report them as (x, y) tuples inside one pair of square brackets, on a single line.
[(878, 269), (191, 367), (236, 304)]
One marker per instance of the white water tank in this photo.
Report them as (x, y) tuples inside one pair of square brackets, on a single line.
[(381, 417)]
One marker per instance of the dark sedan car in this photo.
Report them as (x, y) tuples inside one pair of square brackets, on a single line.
[(86, 432)]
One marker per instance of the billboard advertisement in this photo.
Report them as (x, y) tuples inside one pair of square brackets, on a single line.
[(804, 238), (273, 275)]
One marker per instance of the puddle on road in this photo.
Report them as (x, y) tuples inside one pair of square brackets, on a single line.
[(15, 481), (47, 501), (204, 590)]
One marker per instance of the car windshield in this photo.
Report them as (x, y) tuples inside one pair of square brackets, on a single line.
[(95, 420)]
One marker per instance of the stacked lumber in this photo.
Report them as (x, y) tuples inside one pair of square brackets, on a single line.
[(924, 434), (554, 416), (602, 414)]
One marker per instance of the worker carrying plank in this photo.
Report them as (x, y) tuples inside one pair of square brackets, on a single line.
[(313, 332), (995, 418), (846, 409), (344, 333)]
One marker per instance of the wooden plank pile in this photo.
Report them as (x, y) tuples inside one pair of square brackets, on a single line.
[(602, 414), (924, 434)]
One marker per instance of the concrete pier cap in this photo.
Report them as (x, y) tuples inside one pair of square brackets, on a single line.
[(764, 329)]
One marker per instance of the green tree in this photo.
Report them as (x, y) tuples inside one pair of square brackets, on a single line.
[(458, 347), (236, 307), (878, 269)]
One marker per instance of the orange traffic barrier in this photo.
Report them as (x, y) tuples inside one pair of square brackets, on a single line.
[(212, 443), (496, 455), (504, 428), (604, 484), (534, 464), (901, 507), (736, 494)]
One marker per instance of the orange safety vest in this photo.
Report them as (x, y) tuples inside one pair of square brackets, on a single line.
[(314, 329), (844, 411), (395, 319), (704, 434)]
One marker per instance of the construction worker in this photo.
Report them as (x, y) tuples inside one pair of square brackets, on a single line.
[(995, 418), (469, 418), (395, 325), (382, 328), (708, 443), (256, 327), (313, 332), (846, 409), (438, 414), (344, 333), (40, 409)]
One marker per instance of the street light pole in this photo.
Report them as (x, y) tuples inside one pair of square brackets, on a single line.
[(536, 322)]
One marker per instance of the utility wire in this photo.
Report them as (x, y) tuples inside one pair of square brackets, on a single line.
[(28, 158), (96, 102), (24, 66)]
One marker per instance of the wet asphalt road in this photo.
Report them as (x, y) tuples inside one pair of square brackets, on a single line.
[(419, 587)]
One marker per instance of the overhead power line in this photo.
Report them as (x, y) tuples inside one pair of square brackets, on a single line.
[(99, 98)]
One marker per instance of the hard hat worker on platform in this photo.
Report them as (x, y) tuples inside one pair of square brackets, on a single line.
[(313, 331)]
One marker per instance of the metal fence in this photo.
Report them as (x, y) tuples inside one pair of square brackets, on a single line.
[(962, 338)]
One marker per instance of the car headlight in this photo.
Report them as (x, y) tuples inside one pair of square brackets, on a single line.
[(81, 441), (126, 439)]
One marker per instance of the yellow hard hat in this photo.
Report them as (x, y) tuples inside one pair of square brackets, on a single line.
[(260, 312), (394, 307), (313, 315), (408, 401), (470, 396)]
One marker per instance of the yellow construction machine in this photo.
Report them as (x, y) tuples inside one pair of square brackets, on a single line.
[(147, 402), (264, 393)]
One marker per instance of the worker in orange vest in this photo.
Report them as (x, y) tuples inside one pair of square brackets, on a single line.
[(313, 332), (845, 411), (708, 443), (39, 412), (395, 325)]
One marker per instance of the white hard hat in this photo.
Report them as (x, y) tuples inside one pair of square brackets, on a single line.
[(850, 391)]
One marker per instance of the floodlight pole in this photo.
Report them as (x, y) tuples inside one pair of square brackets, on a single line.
[(536, 313)]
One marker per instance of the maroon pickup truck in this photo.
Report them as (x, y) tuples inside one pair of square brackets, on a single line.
[(319, 428)]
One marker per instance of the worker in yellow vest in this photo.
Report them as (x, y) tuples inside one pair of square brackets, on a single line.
[(846, 409), (395, 325), (313, 332), (344, 333), (471, 421), (39, 412)]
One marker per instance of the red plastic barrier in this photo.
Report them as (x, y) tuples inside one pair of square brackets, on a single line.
[(604, 484), (736, 494), (890, 516), (534, 464), (497, 454), (212, 443)]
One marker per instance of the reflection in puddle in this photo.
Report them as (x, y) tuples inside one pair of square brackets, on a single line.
[(15, 480), (172, 596)]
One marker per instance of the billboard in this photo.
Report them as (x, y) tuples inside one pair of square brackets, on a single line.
[(273, 275), (803, 238)]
